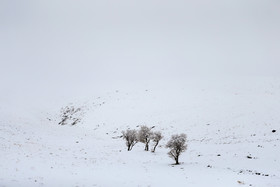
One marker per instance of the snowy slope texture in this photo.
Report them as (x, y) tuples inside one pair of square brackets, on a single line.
[(233, 139), (75, 74)]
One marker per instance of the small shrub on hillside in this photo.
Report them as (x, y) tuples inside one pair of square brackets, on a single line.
[(70, 115)]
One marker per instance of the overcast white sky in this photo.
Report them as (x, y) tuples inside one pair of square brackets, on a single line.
[(54, 46)]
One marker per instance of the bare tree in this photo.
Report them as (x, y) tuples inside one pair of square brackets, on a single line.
[(157, 136), (177, 145), (130, 136), (145, 135)]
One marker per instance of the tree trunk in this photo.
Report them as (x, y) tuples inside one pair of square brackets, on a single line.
[(147, 147), (154, 149), (177, 160)]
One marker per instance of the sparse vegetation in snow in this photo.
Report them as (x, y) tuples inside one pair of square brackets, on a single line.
[(157, 136), (71, 115), (177, 145), (145, 135), (130, 137)]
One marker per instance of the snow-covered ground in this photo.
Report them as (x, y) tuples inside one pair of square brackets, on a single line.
[(229, 126), (209, 69)]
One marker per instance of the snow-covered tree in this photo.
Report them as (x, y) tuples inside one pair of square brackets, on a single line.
[(130, 136), (157, 136), (145, 135), (177, 145)]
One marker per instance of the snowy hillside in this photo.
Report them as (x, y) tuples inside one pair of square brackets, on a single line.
[(75, 74), (229, 126)]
